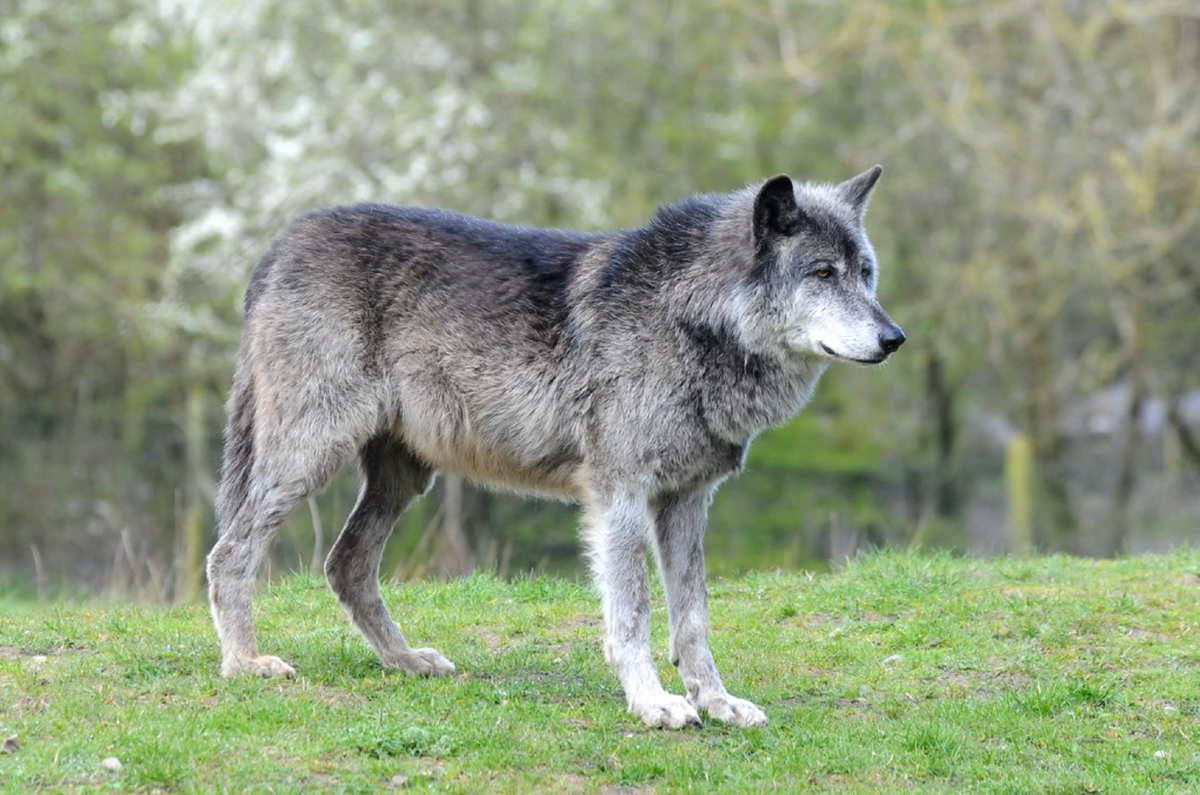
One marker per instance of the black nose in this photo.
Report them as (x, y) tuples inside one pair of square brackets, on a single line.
[(892, 339)]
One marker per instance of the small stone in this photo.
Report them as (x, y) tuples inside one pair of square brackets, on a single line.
[(1160, 754), (112, 763), (10, 744), (890, 661), (836, 632), (399, 780)]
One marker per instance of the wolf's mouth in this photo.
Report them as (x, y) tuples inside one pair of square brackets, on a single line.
[(836, 355)]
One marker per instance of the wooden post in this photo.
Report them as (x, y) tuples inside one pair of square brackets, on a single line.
[(1018, 475)]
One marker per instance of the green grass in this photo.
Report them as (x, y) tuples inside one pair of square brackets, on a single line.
[(899, 673)]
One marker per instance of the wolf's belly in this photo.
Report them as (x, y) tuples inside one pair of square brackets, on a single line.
[(503, 440)]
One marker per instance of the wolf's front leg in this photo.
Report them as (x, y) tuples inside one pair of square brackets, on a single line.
[(616, 531), (679, 534)]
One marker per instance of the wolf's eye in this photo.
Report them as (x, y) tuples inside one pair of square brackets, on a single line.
[(822, 270), (866, 274)]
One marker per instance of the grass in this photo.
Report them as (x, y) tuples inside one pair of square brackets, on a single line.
[(899, 673)]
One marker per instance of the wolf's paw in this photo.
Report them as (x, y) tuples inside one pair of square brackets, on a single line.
[(738, 711), (665, 711), (257, 666), (421, 662)]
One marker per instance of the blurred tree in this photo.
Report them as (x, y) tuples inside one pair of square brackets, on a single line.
[(1037, 227), (1048, 155), (85, 229)]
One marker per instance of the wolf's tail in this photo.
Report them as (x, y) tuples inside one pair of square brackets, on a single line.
[(234, 488)]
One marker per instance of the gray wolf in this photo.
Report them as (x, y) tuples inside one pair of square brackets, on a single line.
[(628, 371)]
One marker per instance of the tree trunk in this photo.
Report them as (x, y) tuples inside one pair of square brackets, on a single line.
[(946, 498), (456, 555), (1187, 438), (1130, 440), (191, 561), (1055, 523), (316, 566)]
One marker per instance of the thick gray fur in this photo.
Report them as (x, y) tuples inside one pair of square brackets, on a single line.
[(628, 371)]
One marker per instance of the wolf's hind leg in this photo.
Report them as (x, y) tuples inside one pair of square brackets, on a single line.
[(283, 474), (679, 547), (392, 478)]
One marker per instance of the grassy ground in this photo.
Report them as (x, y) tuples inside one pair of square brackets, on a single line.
[(899, 673)]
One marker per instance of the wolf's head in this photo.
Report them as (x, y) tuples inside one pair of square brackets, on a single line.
[(811, 288)]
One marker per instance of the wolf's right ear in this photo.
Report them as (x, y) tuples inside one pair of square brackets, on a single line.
[(775, 209), (857, 190)]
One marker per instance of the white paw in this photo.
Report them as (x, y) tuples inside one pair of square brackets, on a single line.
[(665, 711), (738, 711), (266, 666), (421, 662)]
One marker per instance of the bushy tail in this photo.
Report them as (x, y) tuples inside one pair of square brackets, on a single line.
[(234, 488)]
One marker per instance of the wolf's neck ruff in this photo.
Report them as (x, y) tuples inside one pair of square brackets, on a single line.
[(743, 393)]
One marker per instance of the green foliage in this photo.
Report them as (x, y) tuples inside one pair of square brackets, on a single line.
[(1036, 228), (900, 672), (84, 235)]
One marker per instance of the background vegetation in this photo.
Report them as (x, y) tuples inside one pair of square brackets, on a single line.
[(1038, 227)]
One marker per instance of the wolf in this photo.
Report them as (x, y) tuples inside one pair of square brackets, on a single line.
[(628, 371)]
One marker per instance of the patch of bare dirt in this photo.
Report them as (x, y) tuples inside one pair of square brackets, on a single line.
[(489, 638), (981, 684), (581, 621), (24, 706)]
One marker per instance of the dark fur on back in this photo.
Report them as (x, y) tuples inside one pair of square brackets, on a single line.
[(646, 257), (377, 244)]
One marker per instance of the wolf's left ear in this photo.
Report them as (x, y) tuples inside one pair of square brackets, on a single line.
[(775, 208), (857, 190)]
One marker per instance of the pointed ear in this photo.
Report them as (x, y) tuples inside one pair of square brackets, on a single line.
[(775, 208), (857, 191)]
